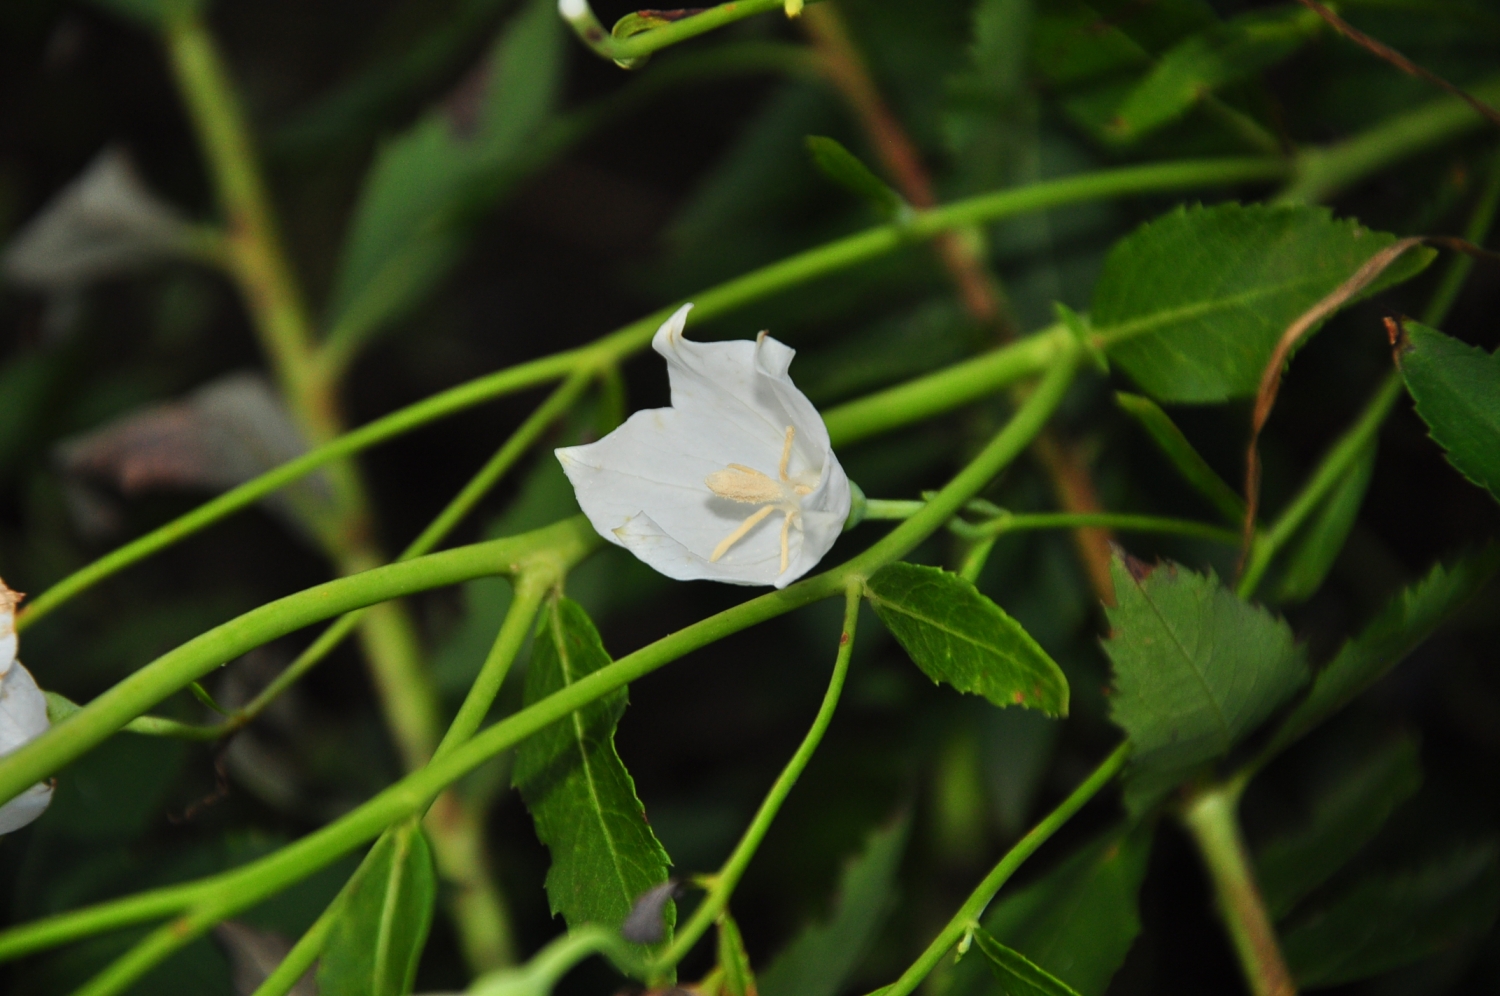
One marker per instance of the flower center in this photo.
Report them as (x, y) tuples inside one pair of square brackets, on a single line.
[(748, 485)]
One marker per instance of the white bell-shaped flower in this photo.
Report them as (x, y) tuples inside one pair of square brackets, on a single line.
[(23, 716), (735, 482)]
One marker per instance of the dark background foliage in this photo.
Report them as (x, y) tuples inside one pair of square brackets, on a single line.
[(704, 181)]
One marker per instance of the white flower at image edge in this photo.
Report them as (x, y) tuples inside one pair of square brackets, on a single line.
[(23, 716), (735, 482)]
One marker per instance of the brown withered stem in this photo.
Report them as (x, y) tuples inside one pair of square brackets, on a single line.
[(978, 289)]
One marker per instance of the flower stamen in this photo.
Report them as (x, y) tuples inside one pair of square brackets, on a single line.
[(746, 484), (739, 534)]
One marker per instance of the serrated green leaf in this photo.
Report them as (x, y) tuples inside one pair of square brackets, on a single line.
[(820, 959), (580, 796), (1078, 921), (1391, 920), (738, 979), (1195, 671), (1405, 622), (1319, 542), (1204, 62), (1345, 818), (383, 919), (1017, 975), (1191, 305), (1456, 388), (956, 635), (1176, 448), (844, 168), (408, 227)]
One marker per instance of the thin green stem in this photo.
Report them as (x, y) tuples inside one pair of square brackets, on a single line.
[(1462, 263), (728, 877), (973, 908), (1324, 479), (1322, 172), (1125, 522), (632, 51), (1211, 818), (250, 883), (928, 396), (303, 954)]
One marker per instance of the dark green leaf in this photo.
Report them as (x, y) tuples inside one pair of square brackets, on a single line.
[(1391, 920), (739, 980), (1405, 622), (1079, 42), (1193, 303), (1175, 446), (383, 919), (1079, 920), (157, 13), (581, 797), (956, 635), (1195, 671), (1206, 61), (1457, 391), (821, 958), (1344, 819), (844, 168), (1016, 974), (408, 226), (1320, 541)]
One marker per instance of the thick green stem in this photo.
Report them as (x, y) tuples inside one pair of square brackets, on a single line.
[(973, 908), (44, 756), (1327, 477), (1211, 818), (734, 868), (632, 51)]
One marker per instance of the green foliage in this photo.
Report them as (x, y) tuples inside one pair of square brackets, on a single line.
[(1406, 621), (580, 796), (409, 225), (1194, 68), (382, 921), (820, 959), (1318, 545), (1344, 818), (1176, 448), (156, 13), (1389, 920), (956, 635), (1192, 304), (844, 168), (1195, 671), (1078, 921), (1016, 974), (1457, 391)]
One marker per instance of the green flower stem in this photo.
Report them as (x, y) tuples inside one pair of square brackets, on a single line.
[(1324, 479), (1125, 522), (728, 877), (41, 758), (924, 398), (547, 967), (973, 908), (521, 440), (306, 951), (1210, 817), (250, 883), (531, 586), (1008, 522), (630, 52), (1322, 172)]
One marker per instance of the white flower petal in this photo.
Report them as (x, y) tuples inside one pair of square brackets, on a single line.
[(8, 601), (644, 486), (23, 718)]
